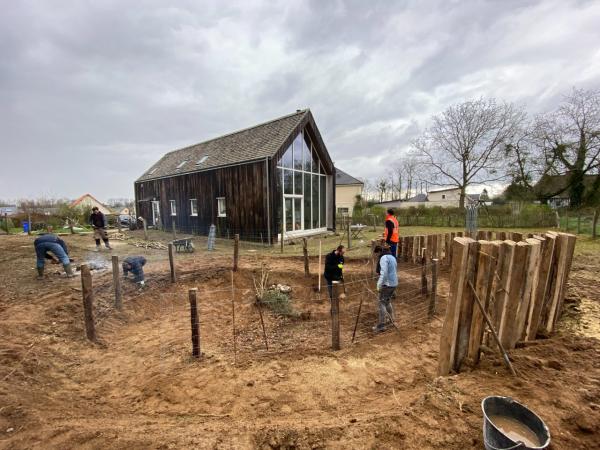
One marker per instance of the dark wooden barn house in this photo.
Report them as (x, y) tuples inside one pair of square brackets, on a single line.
[(245, 182)]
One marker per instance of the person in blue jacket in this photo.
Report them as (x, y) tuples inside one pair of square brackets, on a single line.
[(50, 246), (386, 286), (135, 265)]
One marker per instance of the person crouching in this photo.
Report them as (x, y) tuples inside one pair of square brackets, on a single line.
[(135, 265), (50, 246), (386, 285)]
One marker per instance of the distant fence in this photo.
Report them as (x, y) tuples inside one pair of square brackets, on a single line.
[(520, 286)]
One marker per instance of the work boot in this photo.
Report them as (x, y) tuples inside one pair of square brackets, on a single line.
[(69, 270), (97, 248), (40, 271), (107, 245)]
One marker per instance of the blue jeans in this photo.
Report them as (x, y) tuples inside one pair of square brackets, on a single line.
[(394, 249), (50, 247), (386, 310)]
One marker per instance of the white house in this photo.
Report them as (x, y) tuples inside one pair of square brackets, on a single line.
[(446, 198)]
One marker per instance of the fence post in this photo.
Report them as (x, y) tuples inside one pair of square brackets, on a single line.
[(145, 228), (335, 315), (172, 263), (282, 229), (117, 282), (173, 228), (305, 252), (6, 223), (319, 273), (236, 251), (433, 297), (88, 302), (29, 222), (374, 228), (424, 272), (349, 232), (195, 323)]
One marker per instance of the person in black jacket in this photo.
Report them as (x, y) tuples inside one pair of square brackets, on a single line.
[(334, 267), (98, 223)]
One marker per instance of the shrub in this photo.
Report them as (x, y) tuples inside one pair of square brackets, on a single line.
[(279, 303)]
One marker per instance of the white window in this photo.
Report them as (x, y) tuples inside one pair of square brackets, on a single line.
[(181, 164), (221, 207), (201, 160), (173, 207), (194, 207)]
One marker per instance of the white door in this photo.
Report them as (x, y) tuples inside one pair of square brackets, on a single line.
[(155, 213), (293, 212)]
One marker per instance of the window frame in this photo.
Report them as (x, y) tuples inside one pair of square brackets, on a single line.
[(192, 207), (219, 212), (173, 205)]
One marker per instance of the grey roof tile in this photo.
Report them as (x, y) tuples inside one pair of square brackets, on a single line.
[(342, 178)]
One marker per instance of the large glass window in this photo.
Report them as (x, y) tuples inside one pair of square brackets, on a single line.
[(304, 186)]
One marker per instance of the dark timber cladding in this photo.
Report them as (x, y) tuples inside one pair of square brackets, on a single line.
[(240, 183)]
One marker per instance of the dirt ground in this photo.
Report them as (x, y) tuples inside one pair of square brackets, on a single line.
[(139, 388)]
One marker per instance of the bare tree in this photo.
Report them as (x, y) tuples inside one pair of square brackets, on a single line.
[(382, 188), (464, 144), (570, 142)]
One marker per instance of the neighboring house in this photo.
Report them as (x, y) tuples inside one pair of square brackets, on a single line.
[(446, 198), (347, 188), (89, 201), (254, 182), (549, 188), (9, 210)]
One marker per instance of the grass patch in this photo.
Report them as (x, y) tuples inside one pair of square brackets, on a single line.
[(279, 302)]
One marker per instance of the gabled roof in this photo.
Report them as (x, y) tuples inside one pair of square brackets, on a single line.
[(418, 198), (250, 144), (444, 189), (342, 178), (83, 197)]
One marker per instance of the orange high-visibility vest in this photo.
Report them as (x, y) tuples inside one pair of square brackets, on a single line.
[(396, 233)]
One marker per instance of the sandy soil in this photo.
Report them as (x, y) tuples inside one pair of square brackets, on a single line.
[(138, 387)]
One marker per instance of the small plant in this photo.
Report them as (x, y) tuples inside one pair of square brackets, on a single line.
[(279, 303)]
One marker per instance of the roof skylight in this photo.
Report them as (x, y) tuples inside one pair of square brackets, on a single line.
[(201, 160), (181, 164)]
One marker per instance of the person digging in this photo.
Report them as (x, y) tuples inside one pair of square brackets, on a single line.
[(98, 223), (334, 266), (135, 265), (53, 248), (386, 286)]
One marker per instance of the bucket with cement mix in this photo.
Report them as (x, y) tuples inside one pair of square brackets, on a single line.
[(508, 425)]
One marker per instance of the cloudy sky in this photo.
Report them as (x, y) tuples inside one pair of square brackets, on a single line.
[(93, 92)]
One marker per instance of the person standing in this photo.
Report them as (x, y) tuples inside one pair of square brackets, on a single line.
[(386, 286), (391, 234), (135, 265), (334, 267), (50, 246), (98, 222)]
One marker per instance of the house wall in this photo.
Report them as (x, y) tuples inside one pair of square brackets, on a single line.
[(446, 199), (243, 187), (90, 202), (346, 196)]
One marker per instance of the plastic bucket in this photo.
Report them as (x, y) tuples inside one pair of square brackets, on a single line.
[(495, 439), (25, 226)]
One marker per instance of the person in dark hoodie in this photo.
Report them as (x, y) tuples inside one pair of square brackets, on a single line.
[(98, 223), (50, 246), (334, 268), (135, 265)]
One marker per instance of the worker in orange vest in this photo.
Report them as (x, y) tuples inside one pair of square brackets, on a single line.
[(391, 234)]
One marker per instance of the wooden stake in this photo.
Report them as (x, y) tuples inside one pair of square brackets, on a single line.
[(172, 263), (282, 229), (349, 232), (233, 319), (424, 272), (195, 322), (433, 296), (88, 302), (29, 222), (491, 327), (145, 229), (236, 251), (6, 223), (305, 252), (357, 318), (335, 315), (319, 274), (173, 228), (117, 282), (262, 323)]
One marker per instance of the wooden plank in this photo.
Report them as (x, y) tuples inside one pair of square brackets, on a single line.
[(460, 252), (501, 235), (466, 309), (415, 248), (486, 268), (531, 281), (566, 244), (539, 310), (502, 284), (517, 237), (440, 246), (517, 273)]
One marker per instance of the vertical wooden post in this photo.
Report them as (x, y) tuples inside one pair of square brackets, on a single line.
[(335, 315), (196, 352), (282, 229), (117, 282), (145, 229), (119, 223), (29, 222), (424, 272), (319, 274), (172, 263), (433, 296), (173, 228), (88, 302), (349, 232), (236, 251), (305, 253), (374, 228), (6, 223)]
